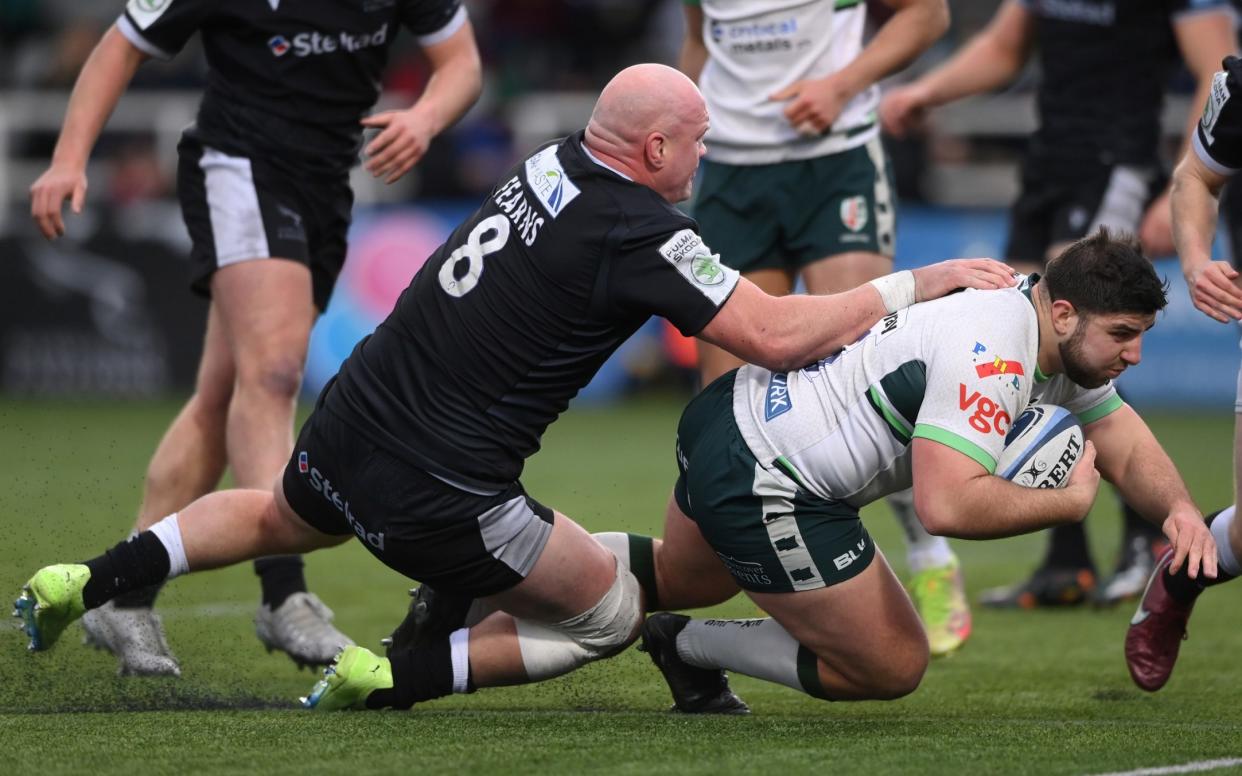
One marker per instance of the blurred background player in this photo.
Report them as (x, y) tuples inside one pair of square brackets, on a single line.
[(1092, 162), (1159, 625), (797, 185), (264, 190)]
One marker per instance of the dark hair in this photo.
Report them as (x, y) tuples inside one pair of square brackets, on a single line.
[(1103, 274)]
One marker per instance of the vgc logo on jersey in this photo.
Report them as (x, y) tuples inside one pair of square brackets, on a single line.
[(306, 44)]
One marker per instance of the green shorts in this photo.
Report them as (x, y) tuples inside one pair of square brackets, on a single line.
[(791, 214), (773, 536)]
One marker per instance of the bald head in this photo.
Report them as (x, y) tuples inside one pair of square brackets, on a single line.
[(641, 99)]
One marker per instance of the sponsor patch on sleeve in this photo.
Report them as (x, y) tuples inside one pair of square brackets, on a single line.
[(1217, 98), (146, 12), (687, 252)]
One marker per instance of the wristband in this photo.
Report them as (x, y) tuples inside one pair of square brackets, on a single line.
[(896, 290)]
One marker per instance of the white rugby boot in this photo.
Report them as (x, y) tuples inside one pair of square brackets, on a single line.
[(301, 627), (134, 636)]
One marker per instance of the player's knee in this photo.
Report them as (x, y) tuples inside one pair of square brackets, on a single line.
[(902, 674), (605, 629), (278, 377)]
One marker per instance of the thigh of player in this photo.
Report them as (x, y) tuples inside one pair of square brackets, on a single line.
[(461, 542), (238, 209), (1115, 197), (839, 217)]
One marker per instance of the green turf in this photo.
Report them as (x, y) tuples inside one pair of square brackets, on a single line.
[(1031, 692)]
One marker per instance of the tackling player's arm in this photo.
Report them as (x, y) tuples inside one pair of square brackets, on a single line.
[(955, 495), (787, 332), (912, 29), (1194, 196), (989, 61), (1203, 39), (456, 81), (1214, 156), (101, 83), (1130, 457), (693, 51)]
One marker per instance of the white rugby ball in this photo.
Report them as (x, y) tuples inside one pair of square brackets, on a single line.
[(1042, 447)]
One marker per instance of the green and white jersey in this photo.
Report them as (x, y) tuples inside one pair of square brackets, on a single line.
[(757, 47), (956, 370)]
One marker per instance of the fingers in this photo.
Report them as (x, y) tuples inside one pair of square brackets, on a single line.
[(789, 91), (1180, 549), (379, 119), (79, 198), (45, 210), (1210, 569)]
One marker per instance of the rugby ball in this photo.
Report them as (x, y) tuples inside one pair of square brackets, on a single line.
[(1042, 447)]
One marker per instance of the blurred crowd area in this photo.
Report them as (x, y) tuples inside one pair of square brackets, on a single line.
[(544, 59)]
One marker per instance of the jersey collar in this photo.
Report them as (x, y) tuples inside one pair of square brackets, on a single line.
[(596, 159), (1027, 288)]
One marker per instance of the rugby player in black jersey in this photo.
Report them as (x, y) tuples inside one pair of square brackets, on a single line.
[(264, 174), (1159, 624), (417, 446), (1093, 161)]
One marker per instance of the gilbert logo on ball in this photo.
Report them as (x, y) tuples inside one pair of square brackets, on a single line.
[(1042, 447)]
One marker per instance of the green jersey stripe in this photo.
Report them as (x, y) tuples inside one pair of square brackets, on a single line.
[(1106, 407), (960, 444)]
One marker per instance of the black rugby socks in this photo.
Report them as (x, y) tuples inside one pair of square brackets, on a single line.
[(136, 563)]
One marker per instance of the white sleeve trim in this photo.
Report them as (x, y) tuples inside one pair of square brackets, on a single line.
[(135, 37), (447, 31), (1206, 157)]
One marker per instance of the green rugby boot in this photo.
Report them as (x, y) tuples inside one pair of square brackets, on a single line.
[(355, 674), (50, 601)]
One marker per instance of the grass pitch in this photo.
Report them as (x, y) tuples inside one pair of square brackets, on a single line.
[(1041, 692)]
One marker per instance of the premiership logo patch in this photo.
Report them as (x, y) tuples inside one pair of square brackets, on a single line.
[(547, 179), (303, 462), (854, 213), (279, 45), (1215, 103)]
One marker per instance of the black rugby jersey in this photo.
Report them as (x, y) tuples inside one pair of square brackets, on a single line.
[(1218, 136), (1105, 67), (287, 76), (515, 313)]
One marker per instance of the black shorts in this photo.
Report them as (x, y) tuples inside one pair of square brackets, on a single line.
[(457, 541), (238, 208), (1057, 207)]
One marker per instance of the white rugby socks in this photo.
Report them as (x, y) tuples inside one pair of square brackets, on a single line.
[(759, 648)]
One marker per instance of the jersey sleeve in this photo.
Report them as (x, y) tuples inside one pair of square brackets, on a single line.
[(432, 21), (974, 390), (673, 275), (1088, 404), (161, 28), (1218, 137)]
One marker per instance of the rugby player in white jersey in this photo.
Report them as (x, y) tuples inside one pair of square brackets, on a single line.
[(774, 467)]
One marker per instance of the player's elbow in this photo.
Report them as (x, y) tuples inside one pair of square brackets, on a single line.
[(935, 512), (935, 19)]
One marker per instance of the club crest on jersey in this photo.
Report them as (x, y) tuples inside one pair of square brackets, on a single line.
[(854, 213), (278, 45), (547, 179), (303, 462)]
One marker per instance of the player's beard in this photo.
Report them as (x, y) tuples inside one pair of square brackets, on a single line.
[(1074, 362)]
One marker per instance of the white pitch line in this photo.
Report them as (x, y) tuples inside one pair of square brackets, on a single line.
[(1195, 767)]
